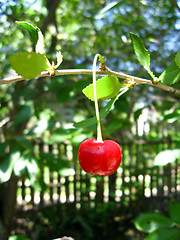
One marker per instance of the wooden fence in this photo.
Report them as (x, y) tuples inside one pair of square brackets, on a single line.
[(136, 177)]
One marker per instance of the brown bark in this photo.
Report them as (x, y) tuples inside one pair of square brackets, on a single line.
[(7, 206), (51, 6)]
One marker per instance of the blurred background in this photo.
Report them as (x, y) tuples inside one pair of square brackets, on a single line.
[(43, 192)]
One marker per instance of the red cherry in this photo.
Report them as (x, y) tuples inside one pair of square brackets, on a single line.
[(99, 158)]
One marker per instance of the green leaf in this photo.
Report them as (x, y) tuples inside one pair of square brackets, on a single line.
[(28, 163), (174, 211), (171, 75), (149, 222), (7, 165), (103, 113), (106, 88), (24, 143), (24, 114), (164, 234), (60, 135), (40, 43), (171, 117), (33, 31), (20, 166), (177, 59), (115, 125), (104, 10), (140, 51), (54, 161), (33, 172), (91, 121), (64, 93), (3, 146), (41, 127), (167, 156), (19, 237), (32, 168), (137, 113), (80, 136), (29, 64), (35, 34)]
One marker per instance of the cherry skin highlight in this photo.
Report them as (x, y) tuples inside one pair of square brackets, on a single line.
[(99, 158)]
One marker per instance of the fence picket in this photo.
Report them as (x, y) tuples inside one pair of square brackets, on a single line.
[(136, 177)]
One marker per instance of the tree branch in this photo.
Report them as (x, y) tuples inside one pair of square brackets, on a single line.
[(136, 80), (175, 4)]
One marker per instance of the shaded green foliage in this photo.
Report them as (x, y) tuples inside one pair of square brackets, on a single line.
[(38, 105), (159, 226), (102, 222), (45, 109)]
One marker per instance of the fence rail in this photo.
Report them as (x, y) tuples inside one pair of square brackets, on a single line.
[(136, 177)]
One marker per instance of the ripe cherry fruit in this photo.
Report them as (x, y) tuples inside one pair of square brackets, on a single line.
[(99, 158)]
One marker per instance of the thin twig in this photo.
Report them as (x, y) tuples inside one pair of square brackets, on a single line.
[(136, 80), (175, 4), (139, 81)]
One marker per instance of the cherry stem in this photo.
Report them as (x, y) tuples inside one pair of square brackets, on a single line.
[(99, 134)]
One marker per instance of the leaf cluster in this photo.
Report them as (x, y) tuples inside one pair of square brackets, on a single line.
[(170, 76), (104, 27), (159, 226), (31, 64)]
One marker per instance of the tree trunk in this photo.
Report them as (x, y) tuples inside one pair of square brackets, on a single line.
[(9, 188), (7, 206)]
